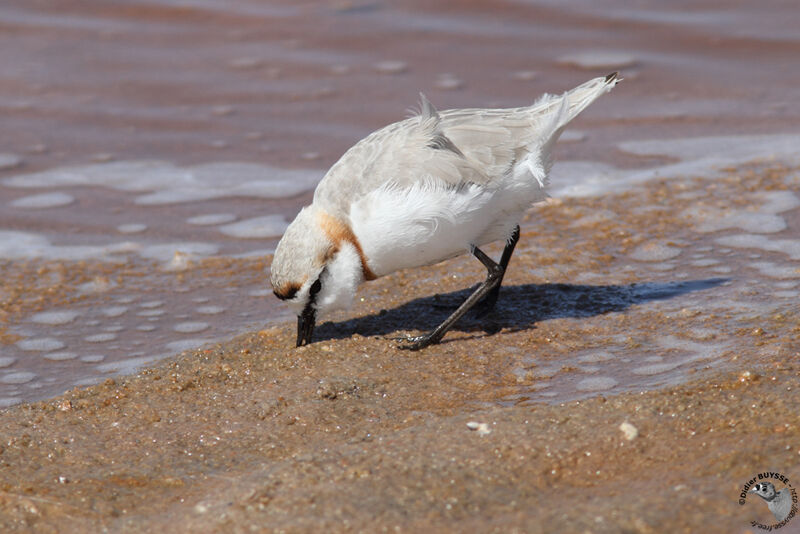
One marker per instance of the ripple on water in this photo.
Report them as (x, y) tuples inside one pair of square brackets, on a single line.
[(21, 377), (596, 383), (6, 361), (190, 327), (131, 228), (40, 344), (212, 219), (256, 228), (44, 200), (655, 252), (100, 338), (55, 317), (60, 356)]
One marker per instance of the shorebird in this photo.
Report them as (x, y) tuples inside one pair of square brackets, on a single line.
[(420, 191), (779, 503)]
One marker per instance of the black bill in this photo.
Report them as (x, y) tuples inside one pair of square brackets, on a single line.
[(305, 325)]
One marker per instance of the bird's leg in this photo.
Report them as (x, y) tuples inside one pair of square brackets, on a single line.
[(493, 278), (487, 304)]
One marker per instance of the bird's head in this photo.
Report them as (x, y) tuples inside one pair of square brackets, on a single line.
[(765, 490), (316, 267)]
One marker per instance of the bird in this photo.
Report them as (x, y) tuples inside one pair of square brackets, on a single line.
[(417, 192), (779, 503)]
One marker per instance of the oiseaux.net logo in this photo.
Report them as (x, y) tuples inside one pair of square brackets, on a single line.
[(777, 492)]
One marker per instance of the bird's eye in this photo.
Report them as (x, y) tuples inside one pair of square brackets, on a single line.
[(315, 287)]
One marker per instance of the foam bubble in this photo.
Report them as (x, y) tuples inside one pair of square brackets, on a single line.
[(790, 247), (448, 81), (655, 252), (596, 383), (165, 183), (257, 228), (391, 66), (131, 228), (700, 156), (9, 161), (186, 344), (41, 344), (55, 317), (44, 200), (6, 402), (656, 368), (212, 219), (210, 310), (21, 377), (598, 59), (190, 327), (114, 311), (776, 271), (100, 338), (151, 313), (60, 356), (596, 357), (166, 251)]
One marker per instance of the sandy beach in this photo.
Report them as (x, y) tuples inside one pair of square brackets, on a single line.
[(641, 366)]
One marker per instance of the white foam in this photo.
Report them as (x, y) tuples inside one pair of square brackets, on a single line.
[(100, 338), (21, 377), (40, 344), (131, 228), (790, 247), (655, 252), (391, 66), (7, 361), (186, 344), (166, 183), (212, 219), (114, 311), (6, 402), (60, 356), (44, 200), (256, 228), (55, 317), (777, 271), (702, 157), (598, 59), (151, 313), (656, 368), (167, 251), (9, 161), (190, 327), (448, 81), (126, 366), (596, 357), (210, 310), (596, 383)]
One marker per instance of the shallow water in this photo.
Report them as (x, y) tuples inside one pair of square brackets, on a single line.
[(153, 153)]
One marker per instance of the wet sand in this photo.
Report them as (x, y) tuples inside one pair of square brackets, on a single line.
[(350, 433)]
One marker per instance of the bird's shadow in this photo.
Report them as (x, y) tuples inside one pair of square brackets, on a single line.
[(519, 307)]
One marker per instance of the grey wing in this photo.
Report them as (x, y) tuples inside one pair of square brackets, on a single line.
[(453, 149)]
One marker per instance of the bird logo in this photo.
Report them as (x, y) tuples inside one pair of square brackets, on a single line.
[(778, 502)]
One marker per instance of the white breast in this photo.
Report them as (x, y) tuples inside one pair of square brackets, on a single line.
[(429, 222)]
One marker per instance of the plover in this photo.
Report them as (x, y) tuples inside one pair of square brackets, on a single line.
[(778, 502), (418, 192)]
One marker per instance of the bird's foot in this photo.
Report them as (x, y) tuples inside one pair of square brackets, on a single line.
[(416, 342)]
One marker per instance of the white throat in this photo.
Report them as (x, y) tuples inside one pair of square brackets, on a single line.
[(341, 278)]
